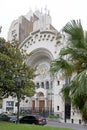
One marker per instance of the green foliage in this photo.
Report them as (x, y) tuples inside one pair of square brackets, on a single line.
[(12, 64), (61, 65), (72, 62)]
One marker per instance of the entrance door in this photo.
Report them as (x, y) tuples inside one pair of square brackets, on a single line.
[(33, 105), (41, 105)]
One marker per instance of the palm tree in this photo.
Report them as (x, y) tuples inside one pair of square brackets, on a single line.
[(72, 62)]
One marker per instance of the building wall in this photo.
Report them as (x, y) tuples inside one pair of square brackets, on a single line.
[(13, 30), (21, 27), (25, 27)]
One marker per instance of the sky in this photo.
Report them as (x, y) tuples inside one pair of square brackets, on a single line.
[(61, 11)]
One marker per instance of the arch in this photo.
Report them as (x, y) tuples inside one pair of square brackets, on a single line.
[(39, 55), (40, 94)]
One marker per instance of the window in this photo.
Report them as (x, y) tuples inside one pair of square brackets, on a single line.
[(72, 120), (40, 36), (9, 105), (80, 121), (40, 94), (51, 84), (58, 82), (47, 84), (13, 32), (57, 107), (37, 85), (25, 118), (42, 84), (73, 113), (48, 35)]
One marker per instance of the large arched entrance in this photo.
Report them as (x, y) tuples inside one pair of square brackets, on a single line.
[(41, 58)]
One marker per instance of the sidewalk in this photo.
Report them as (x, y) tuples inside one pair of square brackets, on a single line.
[(55, 123)]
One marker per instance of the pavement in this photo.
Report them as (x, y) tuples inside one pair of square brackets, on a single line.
[(67, 125)]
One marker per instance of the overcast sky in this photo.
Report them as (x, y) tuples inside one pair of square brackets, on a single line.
[(61, 11)]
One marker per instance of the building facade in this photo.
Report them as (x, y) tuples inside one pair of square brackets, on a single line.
[(35, 33)]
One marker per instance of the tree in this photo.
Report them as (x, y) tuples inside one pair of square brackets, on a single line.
[(72, 62), (11, 64), (12, 71)]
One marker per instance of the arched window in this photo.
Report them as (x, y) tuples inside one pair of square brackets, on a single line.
[(40, 94), (42, 84), (37, 85), (47, 84)]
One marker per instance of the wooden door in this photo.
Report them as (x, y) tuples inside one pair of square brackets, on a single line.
[(33, 105), (41, 104)]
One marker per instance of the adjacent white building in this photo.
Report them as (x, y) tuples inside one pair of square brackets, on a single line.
[(36, 34)]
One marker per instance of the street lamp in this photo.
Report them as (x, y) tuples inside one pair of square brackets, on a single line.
[(19, 82)]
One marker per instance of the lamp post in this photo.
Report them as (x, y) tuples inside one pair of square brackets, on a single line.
[(19, 82)]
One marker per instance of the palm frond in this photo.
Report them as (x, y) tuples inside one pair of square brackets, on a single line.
[(65, 92), (55, 66), (76, 33), (81, 78), (75, 53), (61, 65)]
